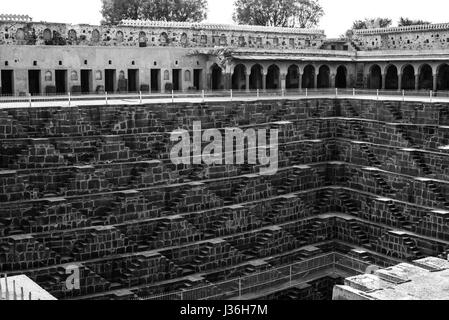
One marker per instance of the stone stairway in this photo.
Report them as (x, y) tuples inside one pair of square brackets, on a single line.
[(440, 196), (360, 235), (385, 187), (401, 220), (394, 110), (412, 248), (372, 159)]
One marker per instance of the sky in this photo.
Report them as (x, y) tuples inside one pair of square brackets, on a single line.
[(339, 14)]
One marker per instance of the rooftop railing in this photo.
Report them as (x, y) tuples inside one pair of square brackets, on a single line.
[(136, 98), (263, 283)]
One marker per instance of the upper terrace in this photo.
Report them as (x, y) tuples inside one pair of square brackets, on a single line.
[(19, 30)]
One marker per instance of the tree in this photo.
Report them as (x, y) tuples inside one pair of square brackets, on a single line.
[(404, 22), (280, 13), (372, 23), (114, 11)]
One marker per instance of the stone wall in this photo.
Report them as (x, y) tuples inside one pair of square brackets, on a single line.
[(94, 187), (420, 37), (155, 34)]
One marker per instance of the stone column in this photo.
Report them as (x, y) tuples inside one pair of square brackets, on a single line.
[(209, 81), (399, 81), (247, 75), (435, 82), (332, 80), (384, 78), (315, 80), (300, 81), (283, 78), (227, 81), (264, 81), (417, 81)]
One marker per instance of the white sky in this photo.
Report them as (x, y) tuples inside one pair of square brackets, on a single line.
[(338, 18)]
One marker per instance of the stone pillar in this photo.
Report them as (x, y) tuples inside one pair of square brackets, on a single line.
[(300, 81), (315, 80), (435, 82), (384, 78), (209, 81), (264, 81), (247, 75), (417, 82), (332, 77), (227, 81), (399, 81), (283, 78)]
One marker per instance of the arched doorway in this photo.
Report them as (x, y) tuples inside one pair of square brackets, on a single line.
[(341, 77), (216, 78), (425, 77), (255, 79), (375, 77), (324, 77), (443, 77), (391, 78), (408, 78), (308, 77), (273, 81), (239, 77), (292, 79)]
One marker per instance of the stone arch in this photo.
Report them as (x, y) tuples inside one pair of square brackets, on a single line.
[(184, 39), (48, 76), (425, 81), (273, 77), (256, 77), (341, 77), (119, 36), (47, 35), (324, 77), (74, 75), (241, 41), (95, 36), (408, 77), (20, 34), (308, 77), (293, 79), (142, 39), (375, 77), (163, 38), (203, 39), (443, 77), (187, 76), (239, 77), (223, 40), (72, 35), (216, 77), (391, 77), (166, 75)]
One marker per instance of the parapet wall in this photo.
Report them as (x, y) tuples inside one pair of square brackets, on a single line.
[(420, 37), (153, 34)]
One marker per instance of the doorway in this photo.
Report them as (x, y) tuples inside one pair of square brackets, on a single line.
[(155, 80), (133, 80), (197, 73), (34, 82), (177, 80), (7, 84), (109, 80), (86, 81), (61, 81)]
